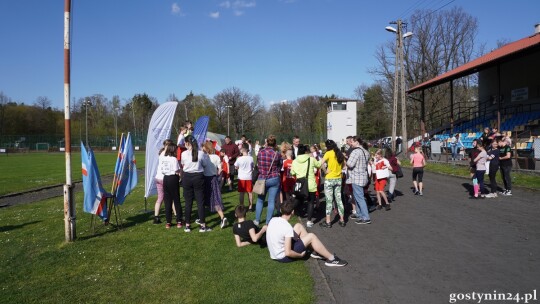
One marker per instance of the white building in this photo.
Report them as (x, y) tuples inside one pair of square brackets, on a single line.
[(341, 119)]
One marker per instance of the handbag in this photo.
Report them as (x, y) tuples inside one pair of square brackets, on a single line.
[(260, 185), (399, 173), (301, 185)]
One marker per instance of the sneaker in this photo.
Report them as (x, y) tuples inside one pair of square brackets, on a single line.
[(198, 221), (363, 222), (179, 225), (342, 223), (353, 216), (492, 195), (317, 256), (256, 222), (224, 223), (508, 193), (387, 207), (420, 193), (157, 220), (416, 192), (168, 226), (337, 262), (324, 224), (379, 207), (205, 229), (187, 229), (309, 224)]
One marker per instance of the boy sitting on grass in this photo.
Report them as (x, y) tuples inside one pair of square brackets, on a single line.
[(246, 232), (287, 243)]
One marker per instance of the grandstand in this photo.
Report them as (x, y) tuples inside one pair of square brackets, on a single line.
[(508, 97)]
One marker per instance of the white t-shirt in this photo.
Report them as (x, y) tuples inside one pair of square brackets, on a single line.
[(213, 166), (278, 229), (168, 165), (194, 167), (159, 174), (245, 167)]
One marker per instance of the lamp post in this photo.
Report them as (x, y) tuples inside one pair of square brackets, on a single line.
[(228, 131), (116, 127), (86, 103), (399, 88)]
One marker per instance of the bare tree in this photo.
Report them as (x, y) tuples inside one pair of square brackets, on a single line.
[(442, 41), (239, 107), (42, 102)]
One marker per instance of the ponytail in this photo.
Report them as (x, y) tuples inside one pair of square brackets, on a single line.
[(194, 147)]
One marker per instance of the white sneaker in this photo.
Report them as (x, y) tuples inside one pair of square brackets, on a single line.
[(309, 224), (508, 193), (256, 223), (492, 195)]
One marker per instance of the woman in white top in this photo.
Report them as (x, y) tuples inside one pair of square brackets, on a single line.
[(212, 190), (480, 161), (159, 185), (169, 168), (193, 163)]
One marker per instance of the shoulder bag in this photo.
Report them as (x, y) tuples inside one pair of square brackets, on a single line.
[(301, 185), (260, 185)]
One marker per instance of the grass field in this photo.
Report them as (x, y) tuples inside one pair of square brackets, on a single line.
[(34, 170), (142, 263)]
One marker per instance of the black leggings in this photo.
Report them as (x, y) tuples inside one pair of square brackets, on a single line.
[(493, 177), (193, 184), (171, 194), (507, 179), (417, 172), (311, 202)]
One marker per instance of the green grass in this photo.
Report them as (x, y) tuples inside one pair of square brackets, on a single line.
[(519, 179), (34, 170), (142, 263)]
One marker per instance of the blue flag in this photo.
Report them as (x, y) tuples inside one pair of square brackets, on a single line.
[(95, 197), (125, 172), (200, 129)]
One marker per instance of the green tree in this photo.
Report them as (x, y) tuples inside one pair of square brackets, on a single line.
[(374, 120)]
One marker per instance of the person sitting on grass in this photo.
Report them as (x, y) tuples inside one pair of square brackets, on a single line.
[(245, 232), (287, 243)]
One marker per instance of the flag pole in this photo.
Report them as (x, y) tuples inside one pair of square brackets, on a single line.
[(69, 204)]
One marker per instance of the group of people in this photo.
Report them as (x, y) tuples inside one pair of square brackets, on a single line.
[(490, 154)]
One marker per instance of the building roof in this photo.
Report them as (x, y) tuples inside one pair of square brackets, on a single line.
[(482, 62)]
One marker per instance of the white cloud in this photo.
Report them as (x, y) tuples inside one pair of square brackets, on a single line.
[(214, 15), (243, 4), (175, 9), (238, 6)]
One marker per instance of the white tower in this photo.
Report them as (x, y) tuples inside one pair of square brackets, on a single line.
[(341, 119)]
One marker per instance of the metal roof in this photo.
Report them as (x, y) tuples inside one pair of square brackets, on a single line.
[(482, 62)]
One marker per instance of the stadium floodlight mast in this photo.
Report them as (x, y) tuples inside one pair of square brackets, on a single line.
[(87, 103), (228, 107), (399, 87), (116, 127)]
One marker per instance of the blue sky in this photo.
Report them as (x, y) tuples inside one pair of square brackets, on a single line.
[(278, 49)]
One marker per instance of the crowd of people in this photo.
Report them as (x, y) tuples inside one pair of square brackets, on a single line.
[(292, 178)]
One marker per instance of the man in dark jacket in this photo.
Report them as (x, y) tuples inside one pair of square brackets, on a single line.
[(232, 152)]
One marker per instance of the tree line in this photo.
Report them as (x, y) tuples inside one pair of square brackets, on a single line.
[(442, 40)]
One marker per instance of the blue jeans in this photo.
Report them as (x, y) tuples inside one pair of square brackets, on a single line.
[(272, 188), (455, 150), (361, 207)]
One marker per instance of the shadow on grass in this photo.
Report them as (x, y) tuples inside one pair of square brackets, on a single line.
[(13, 227), (111, 227)]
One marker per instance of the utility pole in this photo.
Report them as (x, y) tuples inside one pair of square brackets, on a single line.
[(399, 85), (228, 131)]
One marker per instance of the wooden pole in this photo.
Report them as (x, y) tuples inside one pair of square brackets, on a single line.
[(69, 204)]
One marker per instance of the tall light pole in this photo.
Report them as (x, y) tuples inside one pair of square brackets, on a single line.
[(228, 130), (116, 127), (399, 87), (87, 103)]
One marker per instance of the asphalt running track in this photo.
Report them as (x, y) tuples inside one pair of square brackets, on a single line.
[(429, 247)]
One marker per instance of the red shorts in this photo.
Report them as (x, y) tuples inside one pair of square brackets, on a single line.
[(245, 185), (380, 184)]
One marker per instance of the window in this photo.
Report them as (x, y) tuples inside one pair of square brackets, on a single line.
[(339, 106)]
